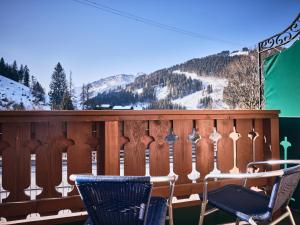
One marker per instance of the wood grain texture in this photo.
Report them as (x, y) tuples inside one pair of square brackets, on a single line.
[(259, 142), (204, 147), (225, 145), (159, 149), (275, 138), (119, 115), (49, 157), (112, 148), (16, 167), (183, 150), (244, 144), (80, 153), (134, 151), (267, 139)]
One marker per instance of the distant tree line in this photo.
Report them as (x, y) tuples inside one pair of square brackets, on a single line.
[(205, 103), (113, 98), (12, 72), (164, 104), (210, 65)]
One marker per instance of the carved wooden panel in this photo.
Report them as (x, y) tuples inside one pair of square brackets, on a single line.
[(259, 141), (204, 153), (244, 144), (225, 145), (183, 150), (80, 154), (134, 150), (16, 160), (159, 149), (49, 157)]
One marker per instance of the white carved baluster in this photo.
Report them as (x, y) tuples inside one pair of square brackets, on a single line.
[(33, 190), (170, 139), (64, 187), (3, 193), (147, 155), (215, 137), (94, 162), (194, 137), (234, 136), (253, 135)]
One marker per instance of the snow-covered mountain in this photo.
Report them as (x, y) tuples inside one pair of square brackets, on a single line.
[(14, 94), (192, 101), (111, 83)]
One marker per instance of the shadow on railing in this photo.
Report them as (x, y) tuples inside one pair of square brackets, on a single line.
[(39, 150)]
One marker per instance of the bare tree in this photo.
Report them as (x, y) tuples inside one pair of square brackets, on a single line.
[(243, 83)]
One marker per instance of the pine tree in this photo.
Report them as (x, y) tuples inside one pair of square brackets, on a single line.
[(2, 66), (38, 91), (26, 76), (21, 74), (67, 101), (72, 91), (14, 72), (58, 88), (83, 96)]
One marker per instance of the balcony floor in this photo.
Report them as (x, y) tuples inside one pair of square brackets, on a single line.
[(190, 215)]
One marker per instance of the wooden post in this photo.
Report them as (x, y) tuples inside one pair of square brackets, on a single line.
[(275, 138), (109, 152)]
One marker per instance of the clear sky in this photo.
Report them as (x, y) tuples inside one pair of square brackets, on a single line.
[(94, 44)]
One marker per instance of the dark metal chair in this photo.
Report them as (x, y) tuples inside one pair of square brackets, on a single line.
[(124, 200), (248, 205)]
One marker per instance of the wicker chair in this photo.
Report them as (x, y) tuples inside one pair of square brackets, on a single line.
[(124, 200), (251, 206)]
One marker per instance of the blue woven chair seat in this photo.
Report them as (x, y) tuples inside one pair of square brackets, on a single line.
[(240, 202), (157, 211)]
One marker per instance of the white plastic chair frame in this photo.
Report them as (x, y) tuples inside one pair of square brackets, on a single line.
[(246, 176), (154, 179)]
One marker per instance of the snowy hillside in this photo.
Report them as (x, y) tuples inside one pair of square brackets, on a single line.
[(12, 93), (192, 101), (239, 52), (111, 83)]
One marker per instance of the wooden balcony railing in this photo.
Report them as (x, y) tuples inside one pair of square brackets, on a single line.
[(40, 149)]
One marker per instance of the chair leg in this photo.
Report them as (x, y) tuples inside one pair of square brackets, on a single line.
[(291, 216), (202, 214), (170, 215)]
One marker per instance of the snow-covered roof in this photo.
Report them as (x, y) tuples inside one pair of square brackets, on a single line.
[(122, 107)]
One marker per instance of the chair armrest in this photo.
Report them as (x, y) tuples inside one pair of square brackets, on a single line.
[(171, 180), (273, 162), (160, 179), (244, 175), (74, 176)]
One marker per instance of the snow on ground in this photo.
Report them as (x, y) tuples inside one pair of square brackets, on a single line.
[(139, 91), (192, 101), (14, 92), (139, 105), (234, 53), (161, 92)]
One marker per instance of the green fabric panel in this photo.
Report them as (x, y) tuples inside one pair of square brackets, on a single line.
[(282, 81)]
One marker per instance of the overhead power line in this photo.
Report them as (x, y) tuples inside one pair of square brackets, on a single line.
[(150, 22)]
